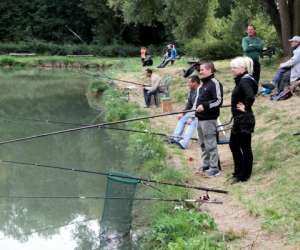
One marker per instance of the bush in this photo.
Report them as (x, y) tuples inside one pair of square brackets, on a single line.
[(213, 50), (47, 48), (183, 229)]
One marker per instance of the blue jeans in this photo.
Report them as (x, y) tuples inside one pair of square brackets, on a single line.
[(282, 74), (148, 94), (184, 136)]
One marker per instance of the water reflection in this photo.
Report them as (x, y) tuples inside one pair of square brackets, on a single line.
[(53, 95)]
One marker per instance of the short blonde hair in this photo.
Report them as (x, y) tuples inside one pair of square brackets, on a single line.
[(243, 62)]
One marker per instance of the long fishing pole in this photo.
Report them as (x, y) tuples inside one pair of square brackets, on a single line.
[(19, 163), (92, 126), (108, 198), (98, 126), (103, 127), (75, 34), (104, 76)]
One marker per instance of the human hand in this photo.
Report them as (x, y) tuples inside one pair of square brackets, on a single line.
[(200, 108), (189, 121), (179, 116), (241, 107)]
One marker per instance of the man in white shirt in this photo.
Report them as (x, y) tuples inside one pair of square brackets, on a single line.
[(152, 90)]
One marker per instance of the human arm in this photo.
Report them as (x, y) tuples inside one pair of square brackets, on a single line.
[(216, 93), (253, 45), (249, 93), (295, 59), (155, 82)]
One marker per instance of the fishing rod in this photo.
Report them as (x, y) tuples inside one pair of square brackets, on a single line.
[(109, 198), (92, 126), (103, 127), (98, 126), (75, 34), (104, 76), (22, 164)]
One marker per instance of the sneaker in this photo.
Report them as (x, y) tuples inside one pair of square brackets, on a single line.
[(205, 169), (213, 173), (171, 140), (179, 144)]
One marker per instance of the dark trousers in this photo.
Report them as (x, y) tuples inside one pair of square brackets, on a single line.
[(240, 146), (148, 94), (256, 70)]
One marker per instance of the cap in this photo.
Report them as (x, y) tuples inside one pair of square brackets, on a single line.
[(295, 39)]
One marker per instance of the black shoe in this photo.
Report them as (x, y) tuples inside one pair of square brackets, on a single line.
[(234, 181)]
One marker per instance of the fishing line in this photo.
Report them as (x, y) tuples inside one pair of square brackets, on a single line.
[(103, 198), (23, 164), (104, 76)]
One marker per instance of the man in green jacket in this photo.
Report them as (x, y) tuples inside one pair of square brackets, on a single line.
[(252, 47)]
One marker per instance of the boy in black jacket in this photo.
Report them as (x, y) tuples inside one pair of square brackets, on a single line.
[(209, 100)]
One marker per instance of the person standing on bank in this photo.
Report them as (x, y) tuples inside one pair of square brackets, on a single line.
[(242, 99), (252, 47), (209, 100)]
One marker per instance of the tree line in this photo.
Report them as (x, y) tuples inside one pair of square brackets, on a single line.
[(213, 26)]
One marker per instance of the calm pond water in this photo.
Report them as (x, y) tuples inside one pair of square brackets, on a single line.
[(51, 223)]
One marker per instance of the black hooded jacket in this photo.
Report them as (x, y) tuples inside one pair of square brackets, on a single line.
[(211, 97), (244, 91)]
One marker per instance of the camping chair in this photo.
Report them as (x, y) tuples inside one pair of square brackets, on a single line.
[(223, 137), (164, 88)]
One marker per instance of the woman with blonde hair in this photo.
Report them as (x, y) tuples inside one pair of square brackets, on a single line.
[(242, 99)]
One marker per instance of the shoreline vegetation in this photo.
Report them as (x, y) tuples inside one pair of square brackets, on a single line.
[(273, 187), (9, 61), (272, 195), (158, 225)]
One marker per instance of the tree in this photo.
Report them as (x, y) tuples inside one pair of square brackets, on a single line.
[(286, 19)]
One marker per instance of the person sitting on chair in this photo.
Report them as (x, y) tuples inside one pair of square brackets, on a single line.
[(288, 71), (170, 56), (152, 90), (180, 136)]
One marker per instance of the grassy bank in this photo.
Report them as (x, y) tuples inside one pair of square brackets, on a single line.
[(165, 227), (272, 194)]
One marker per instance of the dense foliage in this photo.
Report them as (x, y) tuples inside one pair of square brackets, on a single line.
[(211, 29)]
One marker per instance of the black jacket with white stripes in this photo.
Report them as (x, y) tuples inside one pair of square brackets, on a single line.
[(211, 97)]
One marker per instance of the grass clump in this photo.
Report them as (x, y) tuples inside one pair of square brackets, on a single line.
[(183, 229)]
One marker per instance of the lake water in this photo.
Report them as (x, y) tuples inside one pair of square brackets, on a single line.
[(48, 223)]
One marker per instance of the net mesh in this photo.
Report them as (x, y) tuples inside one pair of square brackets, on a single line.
[(116, 217)]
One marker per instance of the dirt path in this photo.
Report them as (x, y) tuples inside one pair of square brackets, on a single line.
[(231, 217)]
